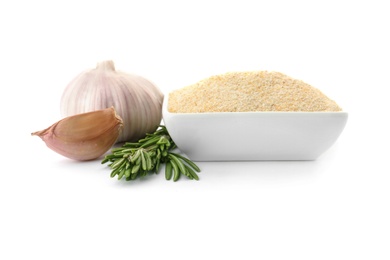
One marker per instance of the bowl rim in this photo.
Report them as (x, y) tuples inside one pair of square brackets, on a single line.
[(166, 111)]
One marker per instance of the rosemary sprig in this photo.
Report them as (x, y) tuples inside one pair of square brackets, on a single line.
[(134, 160)]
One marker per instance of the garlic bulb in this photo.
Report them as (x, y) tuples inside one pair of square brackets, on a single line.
[(136, 100), (83, 136)]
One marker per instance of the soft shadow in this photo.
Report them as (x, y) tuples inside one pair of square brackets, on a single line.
[(138, 181), (266, 171)]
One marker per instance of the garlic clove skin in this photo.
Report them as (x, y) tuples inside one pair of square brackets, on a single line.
[(137, 100), (85, 136)]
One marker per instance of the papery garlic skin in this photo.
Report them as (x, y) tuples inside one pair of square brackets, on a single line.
[(136, 100), (85, 136)]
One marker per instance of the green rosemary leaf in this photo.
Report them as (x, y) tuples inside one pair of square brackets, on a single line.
[(128, 173), (134, 157), (188, 161), (114, 150), (121, 173), (131, 145), (143, 161), (180, 165), (192, 173), (151, 141), (114, 172), (111, 156), (137, 159), (133, 175), (168, 171), (163, 140), (161, 131), (176, 172), (143, 173), (105, 160), (148, 161), (117, 163), (189, 176), (128, 150), (157, 167), (135, 168), (158, 154)]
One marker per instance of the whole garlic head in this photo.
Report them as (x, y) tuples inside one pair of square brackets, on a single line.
[(136, 100)]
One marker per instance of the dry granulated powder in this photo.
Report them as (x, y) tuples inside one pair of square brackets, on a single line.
[(249, 91)]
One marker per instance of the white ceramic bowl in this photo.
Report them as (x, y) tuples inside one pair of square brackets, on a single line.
[(248, 136)]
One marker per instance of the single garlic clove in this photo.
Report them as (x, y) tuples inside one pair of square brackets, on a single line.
[(84, 136)]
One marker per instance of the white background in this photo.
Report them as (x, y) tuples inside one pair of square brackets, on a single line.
[(336, 207)]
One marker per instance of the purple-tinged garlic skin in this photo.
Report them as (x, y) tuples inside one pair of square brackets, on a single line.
[(85, 136), (136, 100)]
